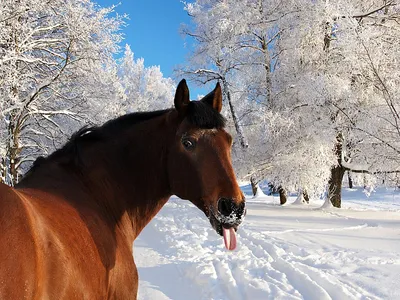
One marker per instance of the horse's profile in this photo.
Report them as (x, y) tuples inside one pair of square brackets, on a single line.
[(67, 229)]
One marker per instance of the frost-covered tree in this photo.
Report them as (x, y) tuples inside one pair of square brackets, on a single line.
[(56, 69), (238, 45), (342, 53), (212, 58), (314, 85), (145, 88)]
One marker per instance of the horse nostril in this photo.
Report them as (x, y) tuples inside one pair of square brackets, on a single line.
[(225, 206)]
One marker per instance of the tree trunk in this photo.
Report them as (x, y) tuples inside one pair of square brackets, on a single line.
[(2, 170), (267, 59), (272, 188), (337, 173), (267, 66), (282, 195), (350, 180), (253, 185), (14, 159), (235, 119), (306, 196), (335, 186), (328, 36), (13, 151)]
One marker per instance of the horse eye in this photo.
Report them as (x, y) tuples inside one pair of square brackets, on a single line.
[(188, 144)]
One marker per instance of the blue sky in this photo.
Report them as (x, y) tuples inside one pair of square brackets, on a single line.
[(153, 32)]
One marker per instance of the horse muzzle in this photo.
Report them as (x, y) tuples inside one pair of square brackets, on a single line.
[(226, 219)]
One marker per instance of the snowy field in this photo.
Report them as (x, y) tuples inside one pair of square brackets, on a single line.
[(289, 252)]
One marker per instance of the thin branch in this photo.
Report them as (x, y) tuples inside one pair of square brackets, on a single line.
[(388, 98), (374, 11)]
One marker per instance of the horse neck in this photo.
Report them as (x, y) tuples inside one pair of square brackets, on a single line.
[(126, 176), (135, 177)]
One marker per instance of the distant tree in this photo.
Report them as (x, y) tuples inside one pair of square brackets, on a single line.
[(144, 88)]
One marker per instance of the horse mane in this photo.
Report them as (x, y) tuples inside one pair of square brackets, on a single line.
[(92, 134), (199, 114)]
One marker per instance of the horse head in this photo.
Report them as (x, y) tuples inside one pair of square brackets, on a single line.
[(199, 162)]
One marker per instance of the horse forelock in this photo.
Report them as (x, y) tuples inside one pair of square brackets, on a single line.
[(202, 115)]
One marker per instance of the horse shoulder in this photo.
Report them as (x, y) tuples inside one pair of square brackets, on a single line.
[(83, 255), (51, 249)]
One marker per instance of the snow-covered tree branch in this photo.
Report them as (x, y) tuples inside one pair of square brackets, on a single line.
[(54, 56)]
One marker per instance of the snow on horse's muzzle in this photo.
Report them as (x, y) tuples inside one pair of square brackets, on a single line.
[(228, 217), (229, 211)]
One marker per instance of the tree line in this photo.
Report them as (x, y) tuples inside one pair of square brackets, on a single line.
[(311, 86)]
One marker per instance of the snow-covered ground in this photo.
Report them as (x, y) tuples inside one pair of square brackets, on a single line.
[(284, 252)]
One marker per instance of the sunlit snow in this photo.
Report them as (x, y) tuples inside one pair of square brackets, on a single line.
[(283, 252)]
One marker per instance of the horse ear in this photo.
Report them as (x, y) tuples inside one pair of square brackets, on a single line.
[(214, 98), (182, 99)]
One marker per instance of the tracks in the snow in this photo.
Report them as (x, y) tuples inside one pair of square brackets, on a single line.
[(265, 266)]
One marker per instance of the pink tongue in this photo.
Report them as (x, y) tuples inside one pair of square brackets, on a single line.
[(229, 238)]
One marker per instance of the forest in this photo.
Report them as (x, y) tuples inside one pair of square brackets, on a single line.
[(311, 88)]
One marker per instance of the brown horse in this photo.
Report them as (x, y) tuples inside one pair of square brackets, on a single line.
[(67, 229)]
